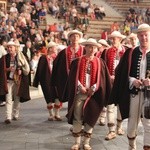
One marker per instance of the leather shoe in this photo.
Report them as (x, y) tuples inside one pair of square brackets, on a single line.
[(15, 118), (102, 123), (111, 135), (146, 147), (58, 118), (7, 121), (87, 147), (120, 131), (75, 147), (51, 118), (2, 104)]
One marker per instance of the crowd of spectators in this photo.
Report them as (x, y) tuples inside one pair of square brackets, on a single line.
[(135, 16)]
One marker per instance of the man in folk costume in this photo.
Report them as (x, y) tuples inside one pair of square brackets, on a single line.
[(61, 65), (112, 57), (103, 46), (130, 90), (16, 70), (87, 92), (133, 40), (43, 76)]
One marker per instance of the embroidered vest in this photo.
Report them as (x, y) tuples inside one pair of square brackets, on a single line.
[(69, 56), (83, 70), (110, 58)]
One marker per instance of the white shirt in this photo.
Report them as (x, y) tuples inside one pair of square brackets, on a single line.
[(2, 51), (143, 66)]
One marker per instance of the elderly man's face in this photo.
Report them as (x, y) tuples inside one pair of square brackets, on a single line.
[(11, 50), (144, 39)]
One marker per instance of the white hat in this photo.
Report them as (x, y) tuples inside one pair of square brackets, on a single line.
[(132, 35), (11, 43), (13, 4), (143, 27), (75, 32), (91, 41), (103, 42), (51, 44), (117, 34)]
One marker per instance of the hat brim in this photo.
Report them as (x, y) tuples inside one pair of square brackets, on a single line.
[(16, 45), (105, 44), (143, 30), (75, 32), (90, 43), (119, 36)]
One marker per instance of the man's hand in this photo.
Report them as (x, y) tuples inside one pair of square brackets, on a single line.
[(19, 72), (83, 90), (137, 83), (90, 92), (112, 78), (146, 82)]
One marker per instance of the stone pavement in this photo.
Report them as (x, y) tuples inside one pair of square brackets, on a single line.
[(33, 132)]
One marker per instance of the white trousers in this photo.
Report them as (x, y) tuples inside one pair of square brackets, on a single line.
[(12, 101), (136, 110), (78, 115), (111, 116)]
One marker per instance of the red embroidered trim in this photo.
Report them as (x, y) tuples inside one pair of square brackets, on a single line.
[(94, 67), (58, 106), (98, 54), (50, 107), (111, 56), (83, 69), (69, 54)]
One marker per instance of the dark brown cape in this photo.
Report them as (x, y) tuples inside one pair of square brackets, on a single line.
[(120, 94), (43, 76), (96, 102), (3, 77)]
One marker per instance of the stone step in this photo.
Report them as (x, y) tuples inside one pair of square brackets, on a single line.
[(107, 19), (91, 28), (129, 3), (111, 16), (101, 22), (97, 36), (108, 9)]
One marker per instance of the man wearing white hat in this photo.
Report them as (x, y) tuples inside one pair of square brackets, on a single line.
[(133, 40), (16, 82), (87, 91), (44, 71), (61, 65), (130, 90), (112, 57), (103, 46)]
